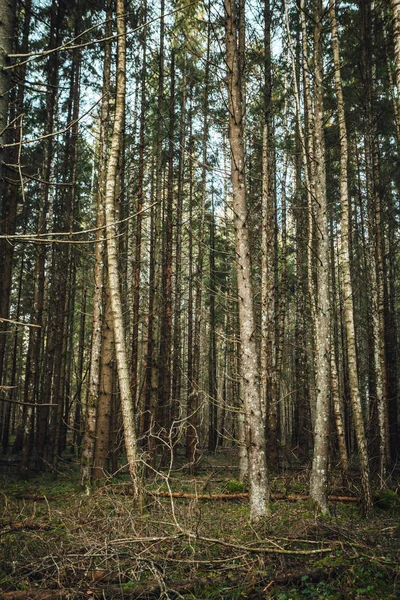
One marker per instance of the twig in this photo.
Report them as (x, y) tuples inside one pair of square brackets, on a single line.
[(259, 550), (18, 322)]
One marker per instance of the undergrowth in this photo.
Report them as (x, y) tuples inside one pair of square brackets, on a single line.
[(56, 540)]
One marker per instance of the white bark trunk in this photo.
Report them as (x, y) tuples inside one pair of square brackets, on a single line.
[(112, 249)]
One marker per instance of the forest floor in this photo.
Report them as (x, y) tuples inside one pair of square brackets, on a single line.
[(58, 543)]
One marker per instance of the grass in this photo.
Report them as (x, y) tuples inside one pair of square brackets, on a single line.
[(111, 545)]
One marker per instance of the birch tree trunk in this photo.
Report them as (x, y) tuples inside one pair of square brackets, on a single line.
[(112, 248), (258, 480)]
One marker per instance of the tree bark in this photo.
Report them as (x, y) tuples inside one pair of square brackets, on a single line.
[(88, 442), (8, 207), (319, 472), (112, 249), (346, 281), (101, 454), (268, 261), (396, 40), (258, 480), (139, 220)]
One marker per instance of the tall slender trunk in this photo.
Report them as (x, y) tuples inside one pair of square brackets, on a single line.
[(139, 220), (165, 354), (88, 442), (258, 480), (304, 233), (269, 260), (319, 472), (346, 280), (191, 413), (396, 39), (212, 361), (375, 214), (155, 300), (177, 341), (8, 207), (112, 249)]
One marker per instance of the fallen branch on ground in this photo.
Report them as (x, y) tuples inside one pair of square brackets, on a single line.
[(244, 495), (36, 595), (263, 550)]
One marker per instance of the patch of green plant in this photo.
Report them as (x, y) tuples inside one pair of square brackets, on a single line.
[(218, 593), (128, 586), (297, 487), (5, 580), (235, 487), (387, 500)]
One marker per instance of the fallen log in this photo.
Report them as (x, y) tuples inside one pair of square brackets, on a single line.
[(34, 497), (244, 495), (250, 590), (8, 526), (36, 595)]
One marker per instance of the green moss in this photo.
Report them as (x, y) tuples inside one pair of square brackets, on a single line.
[(387, 500), (235, 487)]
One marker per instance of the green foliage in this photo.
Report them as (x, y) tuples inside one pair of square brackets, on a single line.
[(387, 500), (235, 487)]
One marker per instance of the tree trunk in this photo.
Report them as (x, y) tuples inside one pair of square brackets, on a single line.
[(258, 480), (396, 41), (8, 210), (212, 354), (269, 261), (88, 442), (165, 352), (101, 455), (319, 472), (112, 249), (139, 219), (346, 281)]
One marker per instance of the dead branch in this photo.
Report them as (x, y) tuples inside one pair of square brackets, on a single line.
[(18, 322), (264, 550), (36, 595), (244, 495)]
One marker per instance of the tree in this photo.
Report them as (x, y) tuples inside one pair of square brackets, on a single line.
[(254, 414), (319, 473), (345, 262), (99, 321), (112, 249)]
